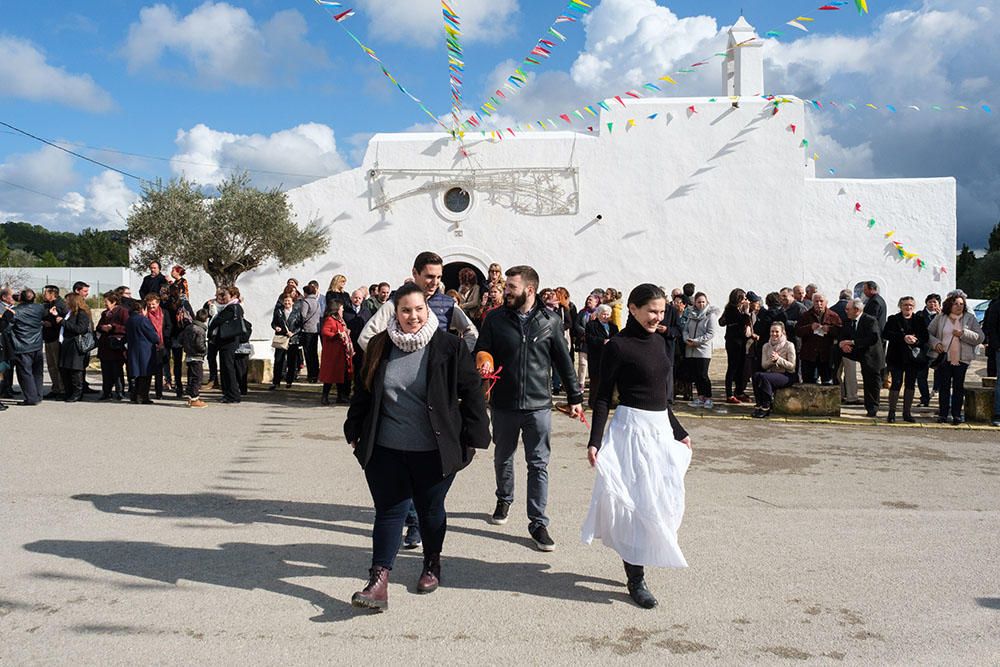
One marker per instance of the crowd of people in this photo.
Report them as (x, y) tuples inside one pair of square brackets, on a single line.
[(418, 367)]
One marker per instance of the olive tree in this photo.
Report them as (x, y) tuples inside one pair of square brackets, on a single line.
[(236, 231)]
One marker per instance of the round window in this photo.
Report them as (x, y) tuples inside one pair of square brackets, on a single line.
[(457, 200)]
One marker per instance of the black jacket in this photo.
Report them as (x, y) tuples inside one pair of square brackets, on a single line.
[(26, 329), (674, 333), (736, 324), (288, 326), (876, 308), (899, 354), (765, 318), (596, 337), (74, 326), (151, 285), (50, 330), (455, 403), (226, 314), (867, 348), (528, 359), (991, 324)]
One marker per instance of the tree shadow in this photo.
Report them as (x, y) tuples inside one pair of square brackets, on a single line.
[(267, 566), (988, 603)]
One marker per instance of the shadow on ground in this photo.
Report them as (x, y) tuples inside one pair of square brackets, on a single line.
[(266, 567)]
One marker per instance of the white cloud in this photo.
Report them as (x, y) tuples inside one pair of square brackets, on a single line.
[(223, 44), (421, 23), (26, 74), (110, 200), (286, 158), (923, 56), (635, 41), (41, 188)]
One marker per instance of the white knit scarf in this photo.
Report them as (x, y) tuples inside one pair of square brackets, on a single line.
[(411, 342)]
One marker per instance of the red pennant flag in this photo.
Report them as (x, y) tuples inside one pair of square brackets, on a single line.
[(619, 100), (857, 207), (792, 128), (691, 109), (565, 117)]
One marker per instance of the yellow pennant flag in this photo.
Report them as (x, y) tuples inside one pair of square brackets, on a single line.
[(667, 79)]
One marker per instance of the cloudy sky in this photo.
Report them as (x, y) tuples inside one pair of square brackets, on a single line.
[(205, 88)]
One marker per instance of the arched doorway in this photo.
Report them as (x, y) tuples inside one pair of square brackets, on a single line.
[(451, 270)]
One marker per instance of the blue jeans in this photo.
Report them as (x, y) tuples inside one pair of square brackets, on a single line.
[(952, 390), (397, 480), (533, 426)]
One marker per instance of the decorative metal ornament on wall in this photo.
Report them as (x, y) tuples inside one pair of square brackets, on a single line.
[(531, 191)]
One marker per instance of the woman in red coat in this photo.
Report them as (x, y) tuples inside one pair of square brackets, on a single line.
[(336, 365)]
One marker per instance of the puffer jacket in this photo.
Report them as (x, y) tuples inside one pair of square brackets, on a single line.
[(528, 359), (26, 329), (972, 335), (700, 327)]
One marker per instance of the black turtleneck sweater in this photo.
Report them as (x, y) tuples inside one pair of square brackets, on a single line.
[(635, 361)]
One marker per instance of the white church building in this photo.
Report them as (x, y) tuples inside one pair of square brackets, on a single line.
[(716, 191)]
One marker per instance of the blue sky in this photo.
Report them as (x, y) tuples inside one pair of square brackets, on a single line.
[(203, 88)]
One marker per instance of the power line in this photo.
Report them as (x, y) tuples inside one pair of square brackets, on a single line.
[(66, 150), (41, 194), (178, 160)]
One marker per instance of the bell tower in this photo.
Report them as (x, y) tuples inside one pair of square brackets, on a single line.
[(743, 68)]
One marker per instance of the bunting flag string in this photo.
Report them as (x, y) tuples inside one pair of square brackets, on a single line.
[(456, 60), (573, 12), (519, 78), (340, 17), (817, 105)]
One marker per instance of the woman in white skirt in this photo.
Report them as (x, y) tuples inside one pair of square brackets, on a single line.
[(638, 499)]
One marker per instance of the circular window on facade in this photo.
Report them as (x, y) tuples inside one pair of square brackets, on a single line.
[(457, 200)]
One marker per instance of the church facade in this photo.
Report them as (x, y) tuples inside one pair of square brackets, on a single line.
[(721, 192)]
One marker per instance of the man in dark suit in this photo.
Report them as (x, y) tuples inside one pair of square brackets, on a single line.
[(875, 306), (861, 341)]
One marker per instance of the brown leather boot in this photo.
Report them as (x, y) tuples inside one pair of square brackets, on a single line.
[(430, 578), (376, 594)]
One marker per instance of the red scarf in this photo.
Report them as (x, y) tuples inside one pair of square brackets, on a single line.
[(157, 319)]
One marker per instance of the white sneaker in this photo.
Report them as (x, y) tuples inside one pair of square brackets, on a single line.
[(708, 404), (697, 403)]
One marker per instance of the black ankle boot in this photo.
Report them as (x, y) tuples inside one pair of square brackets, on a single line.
[(637, 586)]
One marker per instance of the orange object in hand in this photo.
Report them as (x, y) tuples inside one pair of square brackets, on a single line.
[(484, 362)]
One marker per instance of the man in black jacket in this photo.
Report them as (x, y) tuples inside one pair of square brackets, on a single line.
[(152, 283), (991, 327), (861, 341), (875, 306), (7, 317), (526, 340), (26, 340), (50, 337)]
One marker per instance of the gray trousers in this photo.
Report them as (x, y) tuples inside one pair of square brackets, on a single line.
[(849, 380), (52, 362), (533, 426)]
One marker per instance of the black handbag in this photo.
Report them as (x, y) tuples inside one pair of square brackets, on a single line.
[(232, 328), (85, 342), (116, 343)]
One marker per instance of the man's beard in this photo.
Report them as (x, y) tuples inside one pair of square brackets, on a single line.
[(516, 302)]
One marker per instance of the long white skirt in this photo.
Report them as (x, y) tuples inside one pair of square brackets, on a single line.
[(638, 499)]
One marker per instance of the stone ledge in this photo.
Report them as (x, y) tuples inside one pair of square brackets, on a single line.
[(978, 404), (989, 383), (809, 400), (259, 371)]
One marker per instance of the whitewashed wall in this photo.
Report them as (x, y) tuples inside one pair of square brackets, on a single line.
[(724, 197)]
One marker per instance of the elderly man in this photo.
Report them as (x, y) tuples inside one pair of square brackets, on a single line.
[(26, 341), (845, 371), (50, 337), (861, 341), (818, 329), (811, 289)]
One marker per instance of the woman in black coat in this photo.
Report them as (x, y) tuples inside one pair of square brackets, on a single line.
[(286, 321), (413, 422), (227, 331), (111, 346), (907, 354), (73, 363), (598, 332)]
